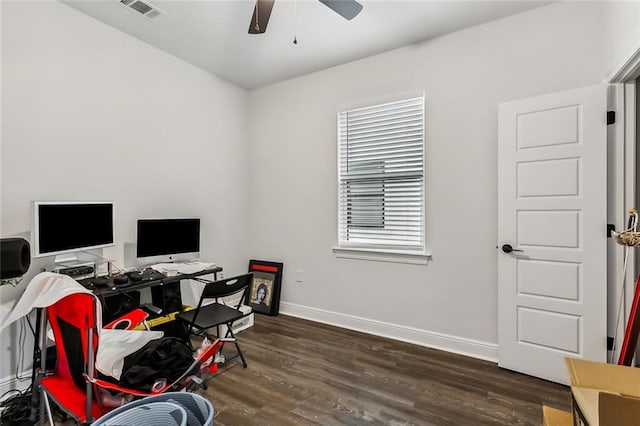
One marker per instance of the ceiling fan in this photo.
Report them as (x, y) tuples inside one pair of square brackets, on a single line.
[(348, 9)]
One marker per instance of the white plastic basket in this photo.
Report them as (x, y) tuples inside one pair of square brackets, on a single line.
[(197, 410)]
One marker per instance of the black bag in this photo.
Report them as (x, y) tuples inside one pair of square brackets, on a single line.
[(165, 358)]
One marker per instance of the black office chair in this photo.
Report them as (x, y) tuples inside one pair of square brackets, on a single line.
[(207, 316)]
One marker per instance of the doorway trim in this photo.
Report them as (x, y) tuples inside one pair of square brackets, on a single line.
[(624, 177), (628, 70)]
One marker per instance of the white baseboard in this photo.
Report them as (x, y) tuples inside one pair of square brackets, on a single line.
[(11, 383), (445, 342)]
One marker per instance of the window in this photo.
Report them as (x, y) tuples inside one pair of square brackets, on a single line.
[(381, 176)]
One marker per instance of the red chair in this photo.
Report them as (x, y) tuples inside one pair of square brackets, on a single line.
[(73, 385)]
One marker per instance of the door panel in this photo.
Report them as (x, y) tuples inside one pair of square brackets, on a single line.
[(563, 178), (560, 280), (556, 126), (552, 206), (548, 228), (534, 326)]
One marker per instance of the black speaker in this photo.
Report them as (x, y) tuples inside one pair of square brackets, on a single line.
[(167, 297), (15, 257)]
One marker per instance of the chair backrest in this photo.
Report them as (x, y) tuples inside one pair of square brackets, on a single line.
[(71, 318), (227, 287)]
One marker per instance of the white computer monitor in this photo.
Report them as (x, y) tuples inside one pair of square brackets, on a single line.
[(66, 227)]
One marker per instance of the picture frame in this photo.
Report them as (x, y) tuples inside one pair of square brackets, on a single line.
[(264, 291)]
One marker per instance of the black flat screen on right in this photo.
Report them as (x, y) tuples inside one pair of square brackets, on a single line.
[(158, 237)]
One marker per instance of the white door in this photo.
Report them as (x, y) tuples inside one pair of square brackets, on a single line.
[(552, 289)]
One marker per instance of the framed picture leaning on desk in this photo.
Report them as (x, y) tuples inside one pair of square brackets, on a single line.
[(264, 291)]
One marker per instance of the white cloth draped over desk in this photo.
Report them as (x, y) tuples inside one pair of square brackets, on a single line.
[(47, 288)]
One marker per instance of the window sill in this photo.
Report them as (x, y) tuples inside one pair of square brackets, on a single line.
[(394, 256)]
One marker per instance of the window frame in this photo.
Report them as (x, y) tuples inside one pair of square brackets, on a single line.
[(377, 251)]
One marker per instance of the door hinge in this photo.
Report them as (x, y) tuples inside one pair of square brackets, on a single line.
[(611, 117), (609, 343), (610, 227)]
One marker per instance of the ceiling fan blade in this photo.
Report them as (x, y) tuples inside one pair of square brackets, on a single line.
[(260, 18), (348, 9)]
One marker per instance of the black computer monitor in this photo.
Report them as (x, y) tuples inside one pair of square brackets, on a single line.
[(168, 238)]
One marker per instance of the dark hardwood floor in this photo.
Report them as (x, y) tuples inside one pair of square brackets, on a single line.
[(305, 373)]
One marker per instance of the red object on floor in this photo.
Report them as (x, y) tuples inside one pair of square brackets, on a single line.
[(632, 331), (72, 385)]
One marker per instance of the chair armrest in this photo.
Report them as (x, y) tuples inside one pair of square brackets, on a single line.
[(115, 387)]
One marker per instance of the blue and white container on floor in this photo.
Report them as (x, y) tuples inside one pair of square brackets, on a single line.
[(197, 410), (149, 414)]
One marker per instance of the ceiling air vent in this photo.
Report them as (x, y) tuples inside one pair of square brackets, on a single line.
[(142, 7)]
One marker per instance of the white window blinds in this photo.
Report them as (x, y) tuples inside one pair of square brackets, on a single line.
[(381, 175)]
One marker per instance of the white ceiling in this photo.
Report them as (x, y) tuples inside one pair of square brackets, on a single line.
[(212, 34)]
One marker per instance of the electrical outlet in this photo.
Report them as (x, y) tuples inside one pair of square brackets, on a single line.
[(300, 276)]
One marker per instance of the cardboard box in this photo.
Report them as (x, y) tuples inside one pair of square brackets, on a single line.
[(554, 417), (605, 394)]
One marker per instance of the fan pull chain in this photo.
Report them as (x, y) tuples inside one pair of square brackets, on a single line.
[(295, 21)]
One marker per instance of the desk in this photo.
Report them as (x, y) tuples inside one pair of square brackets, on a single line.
[(165, 293), (112, 288)]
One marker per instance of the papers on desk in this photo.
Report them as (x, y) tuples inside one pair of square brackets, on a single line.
[(171, 269)]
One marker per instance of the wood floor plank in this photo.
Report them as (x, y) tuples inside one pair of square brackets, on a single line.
[(305, 373)]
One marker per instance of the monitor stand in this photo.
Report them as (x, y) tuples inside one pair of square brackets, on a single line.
[(66, 259), (72, 261)]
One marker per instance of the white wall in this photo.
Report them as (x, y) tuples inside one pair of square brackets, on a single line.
[(452, 302), (90, 113)]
